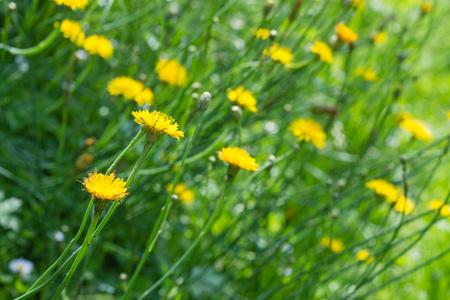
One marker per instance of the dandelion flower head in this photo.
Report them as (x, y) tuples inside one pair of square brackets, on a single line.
[(439, 204), (184, 194), (157, 123), (243, 98), (366, 74), (239, 158), (448, 115), (130, 89), (145, 96), (261, 33), (73, 4), (345, 34), (402, 115), (172, 72), (384, 188), (404, 205), (105, 187), (335, 245), (358, 4), (72, 30), (97, 44), (380, 38), (427, 7), (279, 54), (417, 128), (308, 130), (323, 51), (22, 266)]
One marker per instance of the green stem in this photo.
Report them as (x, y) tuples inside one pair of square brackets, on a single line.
[(163, 215), (33, 50), (86, 243), (191, 249), (130, 145)]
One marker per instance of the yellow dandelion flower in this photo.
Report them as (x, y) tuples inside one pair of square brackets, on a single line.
[(402, 115), (156, 124), (238, 158), (105, 187), (426, 7), (380, 38), (172, 72), (261, 33), (97, 44), (73, 4), (345, 34), (243, 98), (439, 204), (145, 96), (184, 194), (404, 205), (366, 74), (308, 130), (323, 51), (417, 128), (125, 86), (335, 245), (370, 259), (448, 115), (72, 30), (279, 54), (362, 255), (384, 188), (358, 4)]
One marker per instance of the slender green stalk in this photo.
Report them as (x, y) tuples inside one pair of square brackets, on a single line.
[(33, 50), (130, 146), (194, 246), (86, 243), (163, 215)]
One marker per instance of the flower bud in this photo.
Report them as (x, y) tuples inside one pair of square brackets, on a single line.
[(236, 113), (268, 7), (204, 101)]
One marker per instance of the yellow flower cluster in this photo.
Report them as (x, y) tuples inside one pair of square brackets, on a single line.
[(345, 34), (238, 158), (261, 33), (364, 255), (380, 38), (335, 245), (72, 30), (172, 72), (366, 74), (97, 44), (105, 187), (156, 124), (439, 204), (243, 98), (308, 130), (184, 194), (73, 4), (279, 54), (323, 51), (392, 194), (130, 89), (417, 128)]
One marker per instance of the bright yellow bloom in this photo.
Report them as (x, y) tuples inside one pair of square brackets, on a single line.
[(105, 187), (439, 204), (308, 130), (72, 30), (448, 115), (261, 33), (279, 53), (359, 4), (73, 4), (427, 7), (366, 74), (156, 124), (243, 98), (404, 205), (323, 50), (335, 245), (97, 44), (184, 194), (380, 38), (364, 255), (239, 158), (172, 72), (145, 96), (125, 86), (417, 128), (345, 34), (402, 115), (384, 188)]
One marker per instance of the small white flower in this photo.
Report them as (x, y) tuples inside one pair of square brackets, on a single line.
[(57, 236), (22, 266)]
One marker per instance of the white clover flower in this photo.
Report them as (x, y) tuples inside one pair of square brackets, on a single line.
[(22, 266)]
